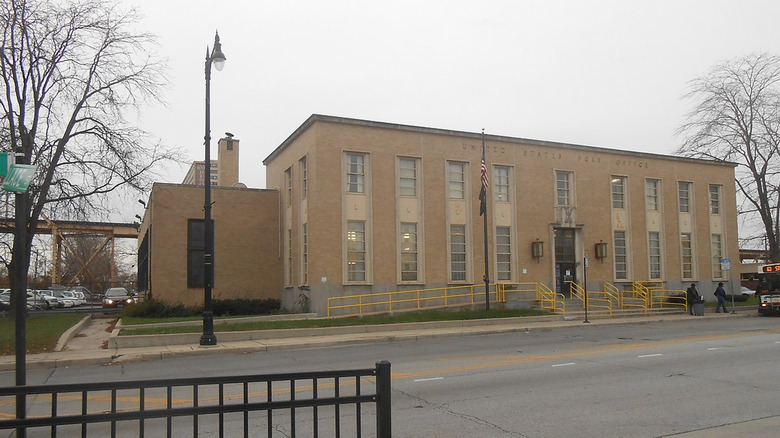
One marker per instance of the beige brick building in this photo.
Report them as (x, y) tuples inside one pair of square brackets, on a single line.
[(369, 206), (247, 262)]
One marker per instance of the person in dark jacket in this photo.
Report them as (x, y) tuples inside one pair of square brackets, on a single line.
[(720, 293), (693, 297)]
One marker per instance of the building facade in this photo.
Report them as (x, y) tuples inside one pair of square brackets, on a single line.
[(375, 207), (247, 261)]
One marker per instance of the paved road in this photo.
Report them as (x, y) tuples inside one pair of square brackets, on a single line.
[(682, 376)]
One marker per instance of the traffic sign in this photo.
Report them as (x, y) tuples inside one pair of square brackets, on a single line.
[(725, 264), (19, 177)]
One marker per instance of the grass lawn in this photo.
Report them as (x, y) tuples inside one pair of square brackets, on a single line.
[(321, 322), (42, 331)]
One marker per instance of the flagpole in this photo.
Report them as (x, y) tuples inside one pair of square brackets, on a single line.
[(483, 209)]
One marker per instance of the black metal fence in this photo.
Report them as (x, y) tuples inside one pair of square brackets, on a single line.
[(310, 404)]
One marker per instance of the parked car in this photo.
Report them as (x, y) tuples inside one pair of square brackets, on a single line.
[(66, 301), (747, 291), (117, 296), (73, 296), (45, 295), (87, 294), (5, 297)]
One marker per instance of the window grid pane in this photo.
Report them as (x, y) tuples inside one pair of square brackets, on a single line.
[(408, 252), (621, 256), (501, 181), (408, 177), (618, 192), (687, 255), (457, 253), (684, 196), (717, 254), (654, 247), (355, 173), (305, 254), (651, 194), (563, 188), (503, 254), (714, 199), (356, 251), (457, 181)]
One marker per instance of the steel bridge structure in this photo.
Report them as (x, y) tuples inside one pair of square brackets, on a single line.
[(63, 232)]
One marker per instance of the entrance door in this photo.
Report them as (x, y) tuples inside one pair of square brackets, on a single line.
[(565, 259)]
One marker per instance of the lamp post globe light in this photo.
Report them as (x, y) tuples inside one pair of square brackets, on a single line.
[(217, 58)]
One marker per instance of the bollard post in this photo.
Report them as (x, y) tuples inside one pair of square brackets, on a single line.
[(384, 425)]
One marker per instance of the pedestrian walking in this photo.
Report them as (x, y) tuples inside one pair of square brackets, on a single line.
[(720, 293), (693, 297)]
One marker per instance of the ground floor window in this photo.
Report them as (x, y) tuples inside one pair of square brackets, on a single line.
[(457, 253), (356, 251), (503, 254)]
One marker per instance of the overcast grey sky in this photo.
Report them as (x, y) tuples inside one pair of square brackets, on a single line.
[(601, 73)]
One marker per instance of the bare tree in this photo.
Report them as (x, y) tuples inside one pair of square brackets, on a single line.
[(736, 118), (72, 73)]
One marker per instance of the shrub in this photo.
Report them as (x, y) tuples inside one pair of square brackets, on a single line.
[(245, 306), (157, 309)]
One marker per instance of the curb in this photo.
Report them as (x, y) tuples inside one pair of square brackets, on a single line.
[(62, 342)]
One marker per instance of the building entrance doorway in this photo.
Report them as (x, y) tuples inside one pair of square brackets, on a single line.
[(565, 259)]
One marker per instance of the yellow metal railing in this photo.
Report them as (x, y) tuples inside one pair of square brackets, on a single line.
[(409, 300), (549, 300), (614, 293), (596, 299), (640, 296), (669, 298)]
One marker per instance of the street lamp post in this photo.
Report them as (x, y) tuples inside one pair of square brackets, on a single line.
[(217, 58)]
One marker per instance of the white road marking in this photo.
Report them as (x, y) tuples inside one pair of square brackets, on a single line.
[(714, 348), (428, 380), (650, 355), (563, 364)]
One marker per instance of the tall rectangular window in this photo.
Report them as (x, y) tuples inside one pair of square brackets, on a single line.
[(503, 254), (196, 249), (289, 183), (686, 248), (654, 248), (621, 256), (456, 180), (651, 194), (684, 196), (563, 188), (407, 176), (305, 254), (618, 191), (408, 252), (304, 178), (356, 173), (457, 253), (717, 254), (714, 199), (289, 257), (501, 183), (356, 251)]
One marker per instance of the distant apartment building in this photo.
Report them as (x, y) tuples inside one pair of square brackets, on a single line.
[(224, 170)]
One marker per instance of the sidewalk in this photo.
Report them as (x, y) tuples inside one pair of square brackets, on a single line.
[(90, 343)]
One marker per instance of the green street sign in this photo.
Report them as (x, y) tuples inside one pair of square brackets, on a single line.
[(4, 162), (19, 177)]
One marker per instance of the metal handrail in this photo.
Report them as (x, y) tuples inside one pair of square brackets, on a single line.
[(386, 302)]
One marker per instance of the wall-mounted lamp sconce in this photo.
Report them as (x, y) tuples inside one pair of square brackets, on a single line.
[(601, 250), (140, 201), (537, 249)]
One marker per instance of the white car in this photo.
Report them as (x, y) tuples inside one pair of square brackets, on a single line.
[(74, 296), (66, 301)]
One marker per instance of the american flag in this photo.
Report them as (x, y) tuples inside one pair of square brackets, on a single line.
[(483, 169), (483, 190)]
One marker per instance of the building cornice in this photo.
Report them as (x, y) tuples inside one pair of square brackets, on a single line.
[(477, 136)]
